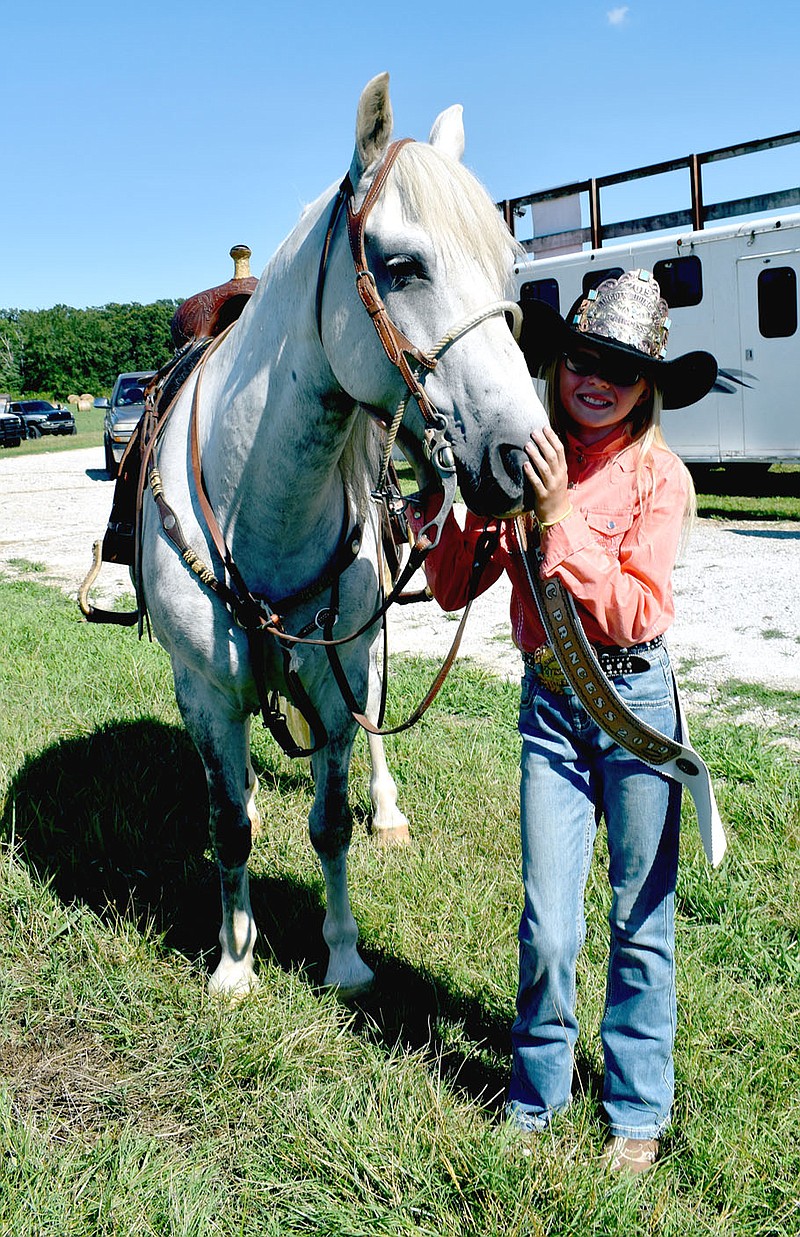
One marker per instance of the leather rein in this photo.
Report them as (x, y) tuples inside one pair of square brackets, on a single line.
[(257, 615)]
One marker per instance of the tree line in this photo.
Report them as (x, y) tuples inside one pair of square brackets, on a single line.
[(64, 351)]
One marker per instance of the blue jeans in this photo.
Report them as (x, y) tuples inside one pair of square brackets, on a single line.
[(572, 773)]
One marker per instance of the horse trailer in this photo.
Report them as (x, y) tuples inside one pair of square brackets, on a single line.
[(732, 290)]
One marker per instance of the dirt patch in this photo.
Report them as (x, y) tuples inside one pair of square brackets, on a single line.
[(737, 587)]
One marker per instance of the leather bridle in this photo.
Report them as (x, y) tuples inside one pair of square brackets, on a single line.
[(396, 344), (256, 614)]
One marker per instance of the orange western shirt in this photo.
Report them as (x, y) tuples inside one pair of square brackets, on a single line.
[(614, 553)]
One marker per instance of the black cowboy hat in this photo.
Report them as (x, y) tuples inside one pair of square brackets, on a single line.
[(622, 318)]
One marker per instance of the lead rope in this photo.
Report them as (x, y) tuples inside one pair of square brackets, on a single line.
[(437, 448)]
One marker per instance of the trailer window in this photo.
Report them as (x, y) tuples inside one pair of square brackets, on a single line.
[(777, 302), (680, 281), (541, 290), (593, 279)]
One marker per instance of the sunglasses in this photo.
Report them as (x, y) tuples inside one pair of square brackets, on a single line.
[(619, 373)]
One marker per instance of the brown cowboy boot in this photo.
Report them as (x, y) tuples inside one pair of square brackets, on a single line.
[(629, 1155)]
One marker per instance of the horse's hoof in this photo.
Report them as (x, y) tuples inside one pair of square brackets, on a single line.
[(349, 979), (232, 985), (351, 992), (391, 835)]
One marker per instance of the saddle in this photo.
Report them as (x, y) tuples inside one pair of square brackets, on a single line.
[(207, 314), (195, 323), (198, 321)]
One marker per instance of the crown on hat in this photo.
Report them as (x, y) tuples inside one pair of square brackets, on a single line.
[(629, 310)]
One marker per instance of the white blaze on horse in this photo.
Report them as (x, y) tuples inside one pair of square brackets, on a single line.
[(288, 412)]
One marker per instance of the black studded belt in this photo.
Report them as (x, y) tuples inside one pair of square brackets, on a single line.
[(616, 662)]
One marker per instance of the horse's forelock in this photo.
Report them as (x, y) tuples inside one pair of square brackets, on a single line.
[(452, 205)]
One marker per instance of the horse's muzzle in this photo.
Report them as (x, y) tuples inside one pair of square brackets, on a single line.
[(499, 490)]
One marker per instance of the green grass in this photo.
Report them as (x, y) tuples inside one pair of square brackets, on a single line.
[(27, 566), (130, 1103), (749, 493)]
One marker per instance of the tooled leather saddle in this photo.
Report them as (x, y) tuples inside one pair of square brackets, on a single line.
[(195, 323)]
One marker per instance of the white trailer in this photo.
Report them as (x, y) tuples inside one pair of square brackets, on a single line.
[(732, 290)]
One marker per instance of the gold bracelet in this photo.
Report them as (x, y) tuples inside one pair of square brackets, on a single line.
[(543, 527)]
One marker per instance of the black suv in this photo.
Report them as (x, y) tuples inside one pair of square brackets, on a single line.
[(39, 417)]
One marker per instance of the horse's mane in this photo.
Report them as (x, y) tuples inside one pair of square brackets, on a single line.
[(452, 204), (360, 460)]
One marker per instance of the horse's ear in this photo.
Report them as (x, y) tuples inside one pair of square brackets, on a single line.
[(447, 134), (373, 125)]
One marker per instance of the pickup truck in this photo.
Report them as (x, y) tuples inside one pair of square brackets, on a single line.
[(12, 430), (39, 417)]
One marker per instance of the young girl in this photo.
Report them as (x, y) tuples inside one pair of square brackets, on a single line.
[(609, 500)]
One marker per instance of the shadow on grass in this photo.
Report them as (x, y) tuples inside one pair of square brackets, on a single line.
[(118, 821)]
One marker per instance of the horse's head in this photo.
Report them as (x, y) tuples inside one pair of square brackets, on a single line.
[(439, 253)]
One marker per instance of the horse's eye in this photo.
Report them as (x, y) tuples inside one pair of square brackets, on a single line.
[(403, 269)]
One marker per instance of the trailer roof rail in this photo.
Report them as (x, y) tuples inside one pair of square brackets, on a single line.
[(694, 216)]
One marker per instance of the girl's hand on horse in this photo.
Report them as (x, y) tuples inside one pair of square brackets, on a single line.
[(546, 473)]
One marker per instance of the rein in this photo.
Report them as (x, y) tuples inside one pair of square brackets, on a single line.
[(258, 615), (484, 549)]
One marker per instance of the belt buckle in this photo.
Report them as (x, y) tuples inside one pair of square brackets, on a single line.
[(548, 670)]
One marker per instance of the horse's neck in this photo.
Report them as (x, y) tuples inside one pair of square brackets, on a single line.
[(274, 423)]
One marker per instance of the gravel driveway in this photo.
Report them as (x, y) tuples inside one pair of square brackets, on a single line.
[(737, 587)]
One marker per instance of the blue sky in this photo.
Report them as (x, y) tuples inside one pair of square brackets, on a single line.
[(140, 141)]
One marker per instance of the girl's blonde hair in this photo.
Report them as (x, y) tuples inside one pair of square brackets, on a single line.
[(646, 432)]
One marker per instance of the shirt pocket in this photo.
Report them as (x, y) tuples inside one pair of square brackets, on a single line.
[(609, 527)]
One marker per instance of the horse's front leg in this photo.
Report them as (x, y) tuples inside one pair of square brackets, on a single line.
[(388, 825), (221, 736), (331, 826)]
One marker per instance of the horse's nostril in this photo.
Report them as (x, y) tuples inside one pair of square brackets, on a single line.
[(512, 459), (498, 490)]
